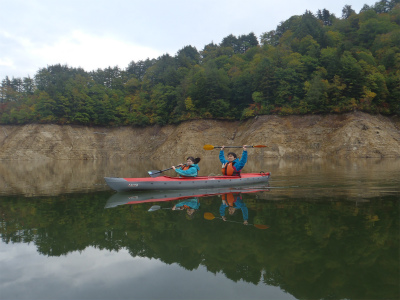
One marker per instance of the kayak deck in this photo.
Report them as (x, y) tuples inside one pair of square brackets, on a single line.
[(178, 183)]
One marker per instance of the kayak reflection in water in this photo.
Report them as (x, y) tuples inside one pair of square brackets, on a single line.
[(234, 202), (190, 169), (191, 205)]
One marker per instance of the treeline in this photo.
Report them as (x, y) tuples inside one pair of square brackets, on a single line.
[(313, 63)]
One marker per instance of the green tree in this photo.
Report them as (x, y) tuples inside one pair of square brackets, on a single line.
[(45, 107), (308, 25), (347, 11), (139, 69), (373, 27), (317, 92), (330, 60), (308, 46), (326, 17), (351, 73), (187, 57), (210, 84)]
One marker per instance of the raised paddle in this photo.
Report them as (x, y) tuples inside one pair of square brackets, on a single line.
[(210, 216), (211, 147), (156, 173)]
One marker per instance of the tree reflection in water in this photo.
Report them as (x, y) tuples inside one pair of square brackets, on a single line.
[(321, 247)]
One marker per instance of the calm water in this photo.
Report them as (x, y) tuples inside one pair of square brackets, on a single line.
[(333, 233)]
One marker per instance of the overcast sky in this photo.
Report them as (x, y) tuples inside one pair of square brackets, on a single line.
[(102, 33)]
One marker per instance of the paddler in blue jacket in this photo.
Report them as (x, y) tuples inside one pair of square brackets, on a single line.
[(232, 166), (190, 169)]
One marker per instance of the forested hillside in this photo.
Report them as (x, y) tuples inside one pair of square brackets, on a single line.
[(313, 63)]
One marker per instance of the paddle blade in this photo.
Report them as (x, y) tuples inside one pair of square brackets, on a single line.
[(154, 173), (259, 146), (261, 226), (208, 147), (209, 216), (154, 207)]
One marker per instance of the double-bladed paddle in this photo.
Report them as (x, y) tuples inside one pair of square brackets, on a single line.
[(211, 147), (210, 216), (156, 173)]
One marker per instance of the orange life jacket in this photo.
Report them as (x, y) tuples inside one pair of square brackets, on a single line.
[(230, 198), (185, 167), (228, 169)]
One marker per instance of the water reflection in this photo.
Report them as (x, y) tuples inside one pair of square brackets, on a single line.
[(137, 197), (99, 274), (233, 202), (312, 248), (332, 234), (355, 178)]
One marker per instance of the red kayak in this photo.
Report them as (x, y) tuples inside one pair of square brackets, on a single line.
[(184, 183)]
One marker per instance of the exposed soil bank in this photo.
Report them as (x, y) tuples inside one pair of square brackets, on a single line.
[(350, 135)]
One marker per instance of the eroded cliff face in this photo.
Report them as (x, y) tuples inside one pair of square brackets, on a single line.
[(350, 135)]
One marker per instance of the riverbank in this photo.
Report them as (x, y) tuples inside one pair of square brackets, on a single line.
[(352, 135)]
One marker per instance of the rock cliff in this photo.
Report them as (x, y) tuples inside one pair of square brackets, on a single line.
[(349, 135)]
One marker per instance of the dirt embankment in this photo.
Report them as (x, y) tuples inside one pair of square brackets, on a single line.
[(350, 135)]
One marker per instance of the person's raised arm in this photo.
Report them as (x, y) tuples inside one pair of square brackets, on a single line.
[(222, 155)]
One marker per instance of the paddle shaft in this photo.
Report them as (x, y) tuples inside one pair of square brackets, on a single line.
[(230, 221), (210, 216), (233, 146), (157, 207), (160, 171), (211, 147), (155, 172)]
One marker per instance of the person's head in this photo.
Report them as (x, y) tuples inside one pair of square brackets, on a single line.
[(231, 156), (190, 160), (190, 211), (231, 210)]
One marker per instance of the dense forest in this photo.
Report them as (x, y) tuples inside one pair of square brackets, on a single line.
[(313, 63)]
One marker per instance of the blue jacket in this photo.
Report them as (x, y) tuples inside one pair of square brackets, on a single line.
[(239, 164), (191, 172), (192, 203), (238, 204)]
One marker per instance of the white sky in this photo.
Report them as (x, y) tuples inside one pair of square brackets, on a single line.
[(102, 33)]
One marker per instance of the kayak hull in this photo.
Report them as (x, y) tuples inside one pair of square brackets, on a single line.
[(184, 183)]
